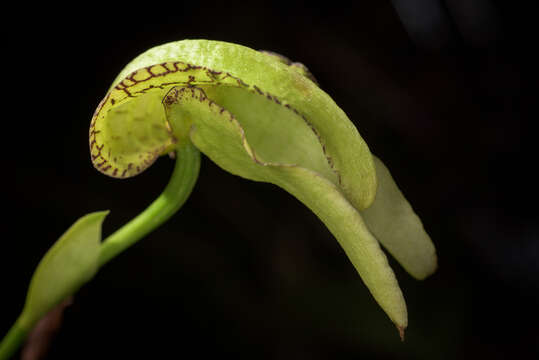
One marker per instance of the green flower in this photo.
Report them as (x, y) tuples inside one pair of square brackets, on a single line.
[(261, 117)]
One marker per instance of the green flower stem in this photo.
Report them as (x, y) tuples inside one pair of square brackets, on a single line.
[(171, 199), (13, 340)]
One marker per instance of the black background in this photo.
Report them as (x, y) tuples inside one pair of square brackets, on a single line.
[(245, 270)]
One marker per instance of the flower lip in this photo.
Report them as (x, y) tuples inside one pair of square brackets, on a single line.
[(203, 62)]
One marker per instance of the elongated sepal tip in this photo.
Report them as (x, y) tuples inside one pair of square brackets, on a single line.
[(401, 332)]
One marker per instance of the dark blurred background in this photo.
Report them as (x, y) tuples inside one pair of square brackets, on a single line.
[(443, 92)]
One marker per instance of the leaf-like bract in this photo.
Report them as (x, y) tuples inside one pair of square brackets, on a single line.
[(69, 263)]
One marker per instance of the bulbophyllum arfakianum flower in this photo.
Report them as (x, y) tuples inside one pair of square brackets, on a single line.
[(261, 117), (258, 116)]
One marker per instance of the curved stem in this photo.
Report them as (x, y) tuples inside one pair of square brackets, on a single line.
[(171, 199), (13, 340)]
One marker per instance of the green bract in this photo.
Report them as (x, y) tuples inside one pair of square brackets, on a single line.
[(70, 262), (261, 117)]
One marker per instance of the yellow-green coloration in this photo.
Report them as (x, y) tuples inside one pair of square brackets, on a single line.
[(79, 253), (261, 117), (299, 67), (71, 262), (199, 63), (393, 221)]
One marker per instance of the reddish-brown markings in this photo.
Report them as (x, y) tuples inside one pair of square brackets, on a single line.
[(214, 77), (257, 89)]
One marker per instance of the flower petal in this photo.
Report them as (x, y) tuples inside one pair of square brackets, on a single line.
[(348, 227), (220, 136), (394, 223)]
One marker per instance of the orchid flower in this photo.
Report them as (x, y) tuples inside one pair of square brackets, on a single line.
[(259, 116)]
